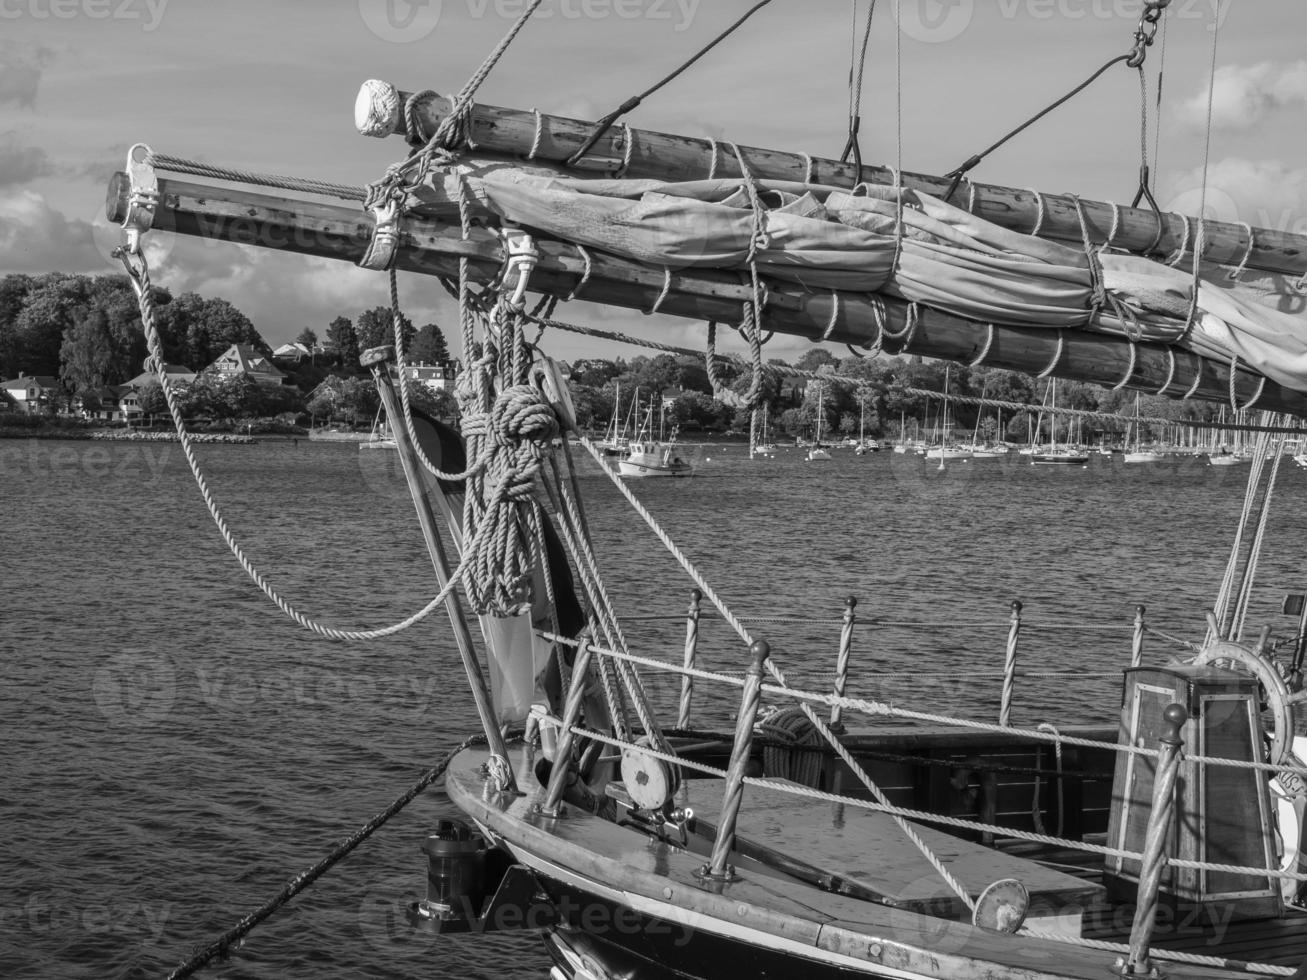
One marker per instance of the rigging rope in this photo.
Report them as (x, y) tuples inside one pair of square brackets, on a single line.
[(139, 275), (604, 124)]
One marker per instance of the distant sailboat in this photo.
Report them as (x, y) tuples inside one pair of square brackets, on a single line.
[(380, 437), (1054, 456), (818, 451), (1139, 454)]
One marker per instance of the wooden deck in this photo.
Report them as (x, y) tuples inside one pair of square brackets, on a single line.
[(1282, 941), (849, 842)]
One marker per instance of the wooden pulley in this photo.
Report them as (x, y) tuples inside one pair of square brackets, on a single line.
[(650, 782)]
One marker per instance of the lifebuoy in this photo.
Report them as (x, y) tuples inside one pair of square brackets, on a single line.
[(1290, 796)]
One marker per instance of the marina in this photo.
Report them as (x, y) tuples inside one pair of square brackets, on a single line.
[(494, 703)]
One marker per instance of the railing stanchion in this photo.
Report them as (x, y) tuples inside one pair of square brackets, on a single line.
[(1137, 648), (842, 663), (552, 806), (1153, 861), (691, 654), (733, 795), (1010, 665)]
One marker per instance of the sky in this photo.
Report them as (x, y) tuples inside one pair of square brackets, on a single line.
[(269, 85)]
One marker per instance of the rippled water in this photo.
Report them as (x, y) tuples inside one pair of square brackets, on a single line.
[(174, 749)]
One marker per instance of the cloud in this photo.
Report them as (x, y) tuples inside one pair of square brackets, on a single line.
[(18, 163), (35, 237), (1243, 95), (20, 72), (1263, 193)]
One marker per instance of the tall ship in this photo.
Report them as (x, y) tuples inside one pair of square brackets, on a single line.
[(820, 835)]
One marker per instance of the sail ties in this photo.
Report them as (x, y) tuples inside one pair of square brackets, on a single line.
[(1100, 296)]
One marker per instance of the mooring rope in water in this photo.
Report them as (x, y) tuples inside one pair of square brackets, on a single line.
[(230, 939)]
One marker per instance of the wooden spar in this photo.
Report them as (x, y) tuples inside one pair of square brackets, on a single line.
[(433, 248), (664, 156)]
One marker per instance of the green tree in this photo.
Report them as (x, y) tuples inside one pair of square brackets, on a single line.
[(343, 343), (308, 337), (152, 400), (87, 353), (429, 346), (377, 327), (195, 330)]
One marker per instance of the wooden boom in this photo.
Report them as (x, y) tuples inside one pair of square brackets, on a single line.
[(433, 248), (515, 132)]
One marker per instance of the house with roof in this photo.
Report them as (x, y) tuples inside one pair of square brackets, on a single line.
[(99, 404), (436, 377), (244, 360), (670, 395), (128, 403), (294, 353), (33, 393)]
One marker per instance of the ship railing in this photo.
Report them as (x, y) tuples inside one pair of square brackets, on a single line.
[(1135, 957), (852, 625)]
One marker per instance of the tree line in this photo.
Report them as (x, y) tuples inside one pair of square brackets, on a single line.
[(86, 332)]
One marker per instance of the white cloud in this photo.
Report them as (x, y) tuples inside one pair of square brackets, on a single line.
[(19, 163), (1244, 94), (35, 237), (1264, 193), (21, 68)]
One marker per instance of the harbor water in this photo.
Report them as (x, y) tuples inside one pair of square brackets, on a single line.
[(175, 749)]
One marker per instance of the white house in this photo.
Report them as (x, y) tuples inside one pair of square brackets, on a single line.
[(33, 393), (244, 359), (437, 377)]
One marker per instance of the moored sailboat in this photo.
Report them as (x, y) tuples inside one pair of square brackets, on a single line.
[(803, 846)]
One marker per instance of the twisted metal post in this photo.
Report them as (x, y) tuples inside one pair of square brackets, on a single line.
[(691, 655), (717, 868), (842, 662), (1153, 861), (552, 805), (1010, 666), (1137, 646)]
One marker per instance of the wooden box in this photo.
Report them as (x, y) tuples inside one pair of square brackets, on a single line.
[(1222, 814)]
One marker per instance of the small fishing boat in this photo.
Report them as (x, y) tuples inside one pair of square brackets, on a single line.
[(651, 457)]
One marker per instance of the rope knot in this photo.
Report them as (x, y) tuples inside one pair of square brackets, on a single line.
[(521, 415)]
